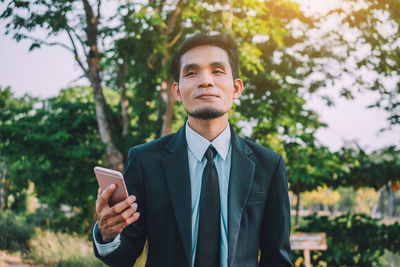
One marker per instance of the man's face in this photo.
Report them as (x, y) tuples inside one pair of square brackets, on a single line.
[(206, 87)]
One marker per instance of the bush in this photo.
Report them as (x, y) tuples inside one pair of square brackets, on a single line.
[(45, 217), (14, 232), (57, 249), (54, 219), (353, 240)]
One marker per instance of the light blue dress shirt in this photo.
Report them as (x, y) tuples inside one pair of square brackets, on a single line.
[(197, 146)]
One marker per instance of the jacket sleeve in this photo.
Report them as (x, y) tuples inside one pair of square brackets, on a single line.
[(133, 236), (107, 248), (275, 232)]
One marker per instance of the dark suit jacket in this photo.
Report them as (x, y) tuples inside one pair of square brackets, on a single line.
[(157, 174)]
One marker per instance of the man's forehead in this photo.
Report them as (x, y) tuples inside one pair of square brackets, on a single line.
[(205, 55)]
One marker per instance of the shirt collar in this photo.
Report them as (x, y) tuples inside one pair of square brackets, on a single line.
[(198, 144)]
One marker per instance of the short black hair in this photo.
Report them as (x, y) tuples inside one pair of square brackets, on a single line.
[(221, 40)]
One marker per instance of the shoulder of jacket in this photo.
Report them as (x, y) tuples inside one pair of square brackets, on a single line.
[(154, 145), (260, 150)]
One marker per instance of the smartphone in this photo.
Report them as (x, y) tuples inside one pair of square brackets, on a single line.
[(106, 177)]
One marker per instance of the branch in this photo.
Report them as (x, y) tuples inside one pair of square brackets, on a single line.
[(174, 18), (42, 42), (149, 61), (98, 11), (75, 51), (71, 83), (173, 41), (161, 5), (79, 39)]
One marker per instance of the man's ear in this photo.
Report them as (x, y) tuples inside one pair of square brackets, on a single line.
[(237, 88), (176, 91)]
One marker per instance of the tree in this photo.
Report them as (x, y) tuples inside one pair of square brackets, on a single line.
[(139, 61), (278, 57), (11, 108), (374, 49), (374, 170), (310, 167), (80, 22), (54, 144)]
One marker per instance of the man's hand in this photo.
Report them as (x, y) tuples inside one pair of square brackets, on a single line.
[(112, 220)]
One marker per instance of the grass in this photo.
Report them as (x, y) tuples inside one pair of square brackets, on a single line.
[(58, 249), (65, 250), (61, 250)]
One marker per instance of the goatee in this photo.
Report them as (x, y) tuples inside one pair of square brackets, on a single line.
[(206, 114)]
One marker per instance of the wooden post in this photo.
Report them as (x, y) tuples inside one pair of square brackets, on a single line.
[(307, 258)]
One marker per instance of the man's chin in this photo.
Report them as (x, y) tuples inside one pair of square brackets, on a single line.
[(206, 114)]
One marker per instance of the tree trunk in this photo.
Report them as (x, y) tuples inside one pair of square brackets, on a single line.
[(169, 112), (124, 112), (122, 74), (229, 20), (3, 187), (296, 221), (113, 155), (166, 86), (390, 202)]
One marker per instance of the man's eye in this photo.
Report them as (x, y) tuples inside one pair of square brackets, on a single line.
[(218, 72), (190, 73)]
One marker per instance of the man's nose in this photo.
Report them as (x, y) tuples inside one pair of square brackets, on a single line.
[(205, 80)]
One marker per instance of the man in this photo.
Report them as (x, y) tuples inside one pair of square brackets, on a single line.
[(202, 196)]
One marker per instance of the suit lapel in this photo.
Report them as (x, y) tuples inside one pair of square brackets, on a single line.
[(178, 180), (240, 182)]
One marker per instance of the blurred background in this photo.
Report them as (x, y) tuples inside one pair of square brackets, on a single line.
[(83, 81)]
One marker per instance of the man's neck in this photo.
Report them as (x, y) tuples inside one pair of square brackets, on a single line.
[(209, 129)]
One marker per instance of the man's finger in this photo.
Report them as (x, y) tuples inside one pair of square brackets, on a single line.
[(118, 208), (131, 219), (116, 227), (105, 196), (124, 215), (119, 227), (98, 197)]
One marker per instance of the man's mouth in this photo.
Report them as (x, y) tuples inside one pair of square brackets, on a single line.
[(207, 96)]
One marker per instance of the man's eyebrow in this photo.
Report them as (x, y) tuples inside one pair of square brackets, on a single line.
[(190, 66), (218, 64)]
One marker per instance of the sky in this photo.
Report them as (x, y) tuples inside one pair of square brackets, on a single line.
[(43, 72)]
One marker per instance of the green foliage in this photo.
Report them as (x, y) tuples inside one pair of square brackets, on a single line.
[(353, 240), (263, 32), (138, 60), (309, 167), (15, 232), (54, 143), (374, 170), (360, 201), (57, 220)]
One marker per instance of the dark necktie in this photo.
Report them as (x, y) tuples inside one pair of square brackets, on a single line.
[(209, 235)]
